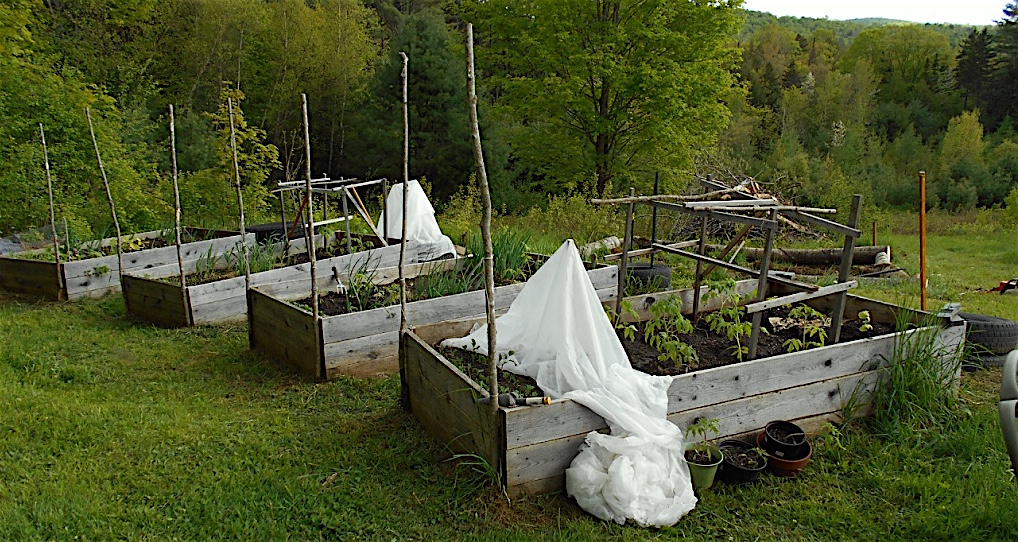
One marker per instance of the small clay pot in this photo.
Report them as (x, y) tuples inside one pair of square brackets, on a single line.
[(788, 466), (784, 440), (732, 473)]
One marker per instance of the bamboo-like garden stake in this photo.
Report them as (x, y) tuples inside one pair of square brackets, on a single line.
[(482, 177), (240, 197), (308, 228), (52, 214), (406, 176), (922, 240), (109, 195), (176, 214)]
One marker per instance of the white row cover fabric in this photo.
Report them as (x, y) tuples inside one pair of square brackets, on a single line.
[(421, 225), (561, 337)]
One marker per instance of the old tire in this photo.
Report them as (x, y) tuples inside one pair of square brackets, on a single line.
[(643, 274), (989, 335)]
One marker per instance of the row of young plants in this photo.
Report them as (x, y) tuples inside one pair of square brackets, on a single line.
[(75, 249)]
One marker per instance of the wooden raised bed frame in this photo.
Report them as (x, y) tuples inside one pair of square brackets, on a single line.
[(364, 343), (80, 278), (225, 301), (532, 446)]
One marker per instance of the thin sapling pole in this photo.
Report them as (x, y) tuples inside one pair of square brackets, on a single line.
[(922, 240), (176, 214), (482, 177), (240, 197), (404, 390), (109, 196), (308, 228), (52, 214), (406, 176)]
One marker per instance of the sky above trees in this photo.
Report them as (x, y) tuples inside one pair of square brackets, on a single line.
[(973, 12)]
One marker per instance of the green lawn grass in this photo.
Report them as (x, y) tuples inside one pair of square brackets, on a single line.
[(114, 429)]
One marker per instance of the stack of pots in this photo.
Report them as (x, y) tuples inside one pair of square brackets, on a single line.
[(787, 448)]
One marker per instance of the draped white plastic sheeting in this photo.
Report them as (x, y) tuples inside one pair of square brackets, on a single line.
[(421, 225), (561, 337)]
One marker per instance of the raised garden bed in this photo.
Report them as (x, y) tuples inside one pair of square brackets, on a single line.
[(224, 301), (93, 277), (532, 446), (364, 343)]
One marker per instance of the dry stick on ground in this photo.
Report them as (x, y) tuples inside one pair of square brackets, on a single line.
[(52, 214), (482, 177), (176, 215), (109, 195), (404, 390), (240, 198), (308, 228)]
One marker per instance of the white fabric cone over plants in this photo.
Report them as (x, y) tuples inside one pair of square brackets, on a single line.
[(421, 225), (561, 337)]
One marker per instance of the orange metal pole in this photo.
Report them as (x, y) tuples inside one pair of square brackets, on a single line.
[(922, 240)]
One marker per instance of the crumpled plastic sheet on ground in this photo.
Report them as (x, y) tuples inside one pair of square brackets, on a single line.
[(561, 337), (421, 225)]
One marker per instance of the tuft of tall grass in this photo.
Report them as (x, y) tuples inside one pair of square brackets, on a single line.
[(509, 254), (916, 390)]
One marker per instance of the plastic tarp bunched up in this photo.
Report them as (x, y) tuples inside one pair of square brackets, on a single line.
[(561, 337), (421, 225)]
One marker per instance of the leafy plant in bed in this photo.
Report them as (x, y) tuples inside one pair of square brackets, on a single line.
[(74, 249), (511, 261)]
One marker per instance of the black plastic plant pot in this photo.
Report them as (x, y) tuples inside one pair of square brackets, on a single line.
[(742, 462), (784, 440)]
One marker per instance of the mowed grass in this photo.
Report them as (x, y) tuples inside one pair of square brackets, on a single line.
[(110, 428)]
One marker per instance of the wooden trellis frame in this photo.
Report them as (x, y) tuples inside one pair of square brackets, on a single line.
[(743, 209)]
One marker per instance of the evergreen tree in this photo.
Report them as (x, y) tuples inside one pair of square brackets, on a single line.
[(1005, 95), (975, 60)]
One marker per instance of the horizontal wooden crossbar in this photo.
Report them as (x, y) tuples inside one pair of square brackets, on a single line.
[(738, 268), (761, 223), (824, 223), (652, 250), (800, 296)]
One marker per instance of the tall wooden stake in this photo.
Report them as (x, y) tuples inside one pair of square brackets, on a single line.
[(240, 198), (627, 244), (109, 195), (309, 229), (404, 390), (761, 285), (176, 216), (482, 177), (922, 240), (52, 214), (844, 272)]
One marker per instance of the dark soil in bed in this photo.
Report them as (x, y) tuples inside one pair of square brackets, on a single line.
[(710, 347), (715, 350)]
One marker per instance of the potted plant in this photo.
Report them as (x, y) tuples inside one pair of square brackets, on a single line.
[(703, 456), (743, 462), (784, 440)]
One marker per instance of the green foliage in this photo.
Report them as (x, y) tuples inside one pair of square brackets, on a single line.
[(915, 392), (728, 320), (813, 326), (702, 428), (583, 78), (662, 332)]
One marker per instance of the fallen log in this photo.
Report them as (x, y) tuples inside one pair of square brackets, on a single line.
[(817, 256)]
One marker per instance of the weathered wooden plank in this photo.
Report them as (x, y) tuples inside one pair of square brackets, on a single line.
[(800, 296), (551, 458), (282, 331), (29, 277), (537, 487), (455, 307), (363, 356), (641, 303), (154, 301), (445, 401)]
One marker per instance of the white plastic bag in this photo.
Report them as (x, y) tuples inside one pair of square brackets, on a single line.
[(561, 337), (421, 225)]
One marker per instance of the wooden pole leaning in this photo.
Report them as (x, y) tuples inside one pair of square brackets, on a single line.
[(838, 312), (701, 249), (109, 195), (403, 327), (308, 229), (52, 215), (176, 218), (627, 244), (761, 285), (240, 197), (482, 177)]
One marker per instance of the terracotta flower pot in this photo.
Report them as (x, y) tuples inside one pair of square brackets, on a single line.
[(786, 466)]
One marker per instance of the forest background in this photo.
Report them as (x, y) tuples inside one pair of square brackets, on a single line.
[(579, 98)]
